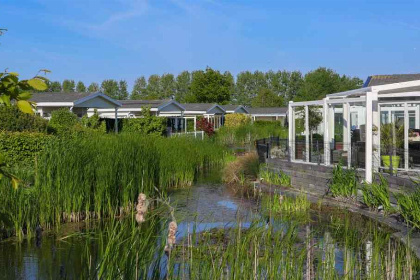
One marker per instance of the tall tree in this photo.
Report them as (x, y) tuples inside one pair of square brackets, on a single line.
[(111, 88), (211, 86), (122, 90), (183, 83), (167, 85), (153, 87), (68, 85), (93, 87), (267, 98), (139, 89), (54, 86), (80, 87), (322, 81)]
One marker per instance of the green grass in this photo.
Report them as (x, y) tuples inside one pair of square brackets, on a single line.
[(76, 179), (409, 207), (376, 194)]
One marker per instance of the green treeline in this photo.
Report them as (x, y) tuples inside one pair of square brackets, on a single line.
[(259, 89)]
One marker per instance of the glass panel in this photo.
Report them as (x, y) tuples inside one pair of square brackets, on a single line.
[(316, 132), (300, 141), (414, 136), (358, 134)]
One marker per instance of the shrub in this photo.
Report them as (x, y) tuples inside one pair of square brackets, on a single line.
[(204, 125), (23, 147), (146, 125), (13, 119), (376, 194), (236, 120), (344, 182), (94, 122), (62, 121)]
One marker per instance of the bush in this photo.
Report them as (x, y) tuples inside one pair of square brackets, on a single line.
[(22, 147), (146, 125), (344, 182), (62, 121), (204, 125), (13, 119), (94, 122), (236, 120)]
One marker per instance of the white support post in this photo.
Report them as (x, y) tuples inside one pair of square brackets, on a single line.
[(376, 123), (371, 99), (406, 128), (326, 133), (186, 124), (307, 133), (291, 132), (417, 113), (116, 120), (347, 132)]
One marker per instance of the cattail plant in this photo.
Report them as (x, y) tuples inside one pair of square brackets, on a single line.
[(170, 241), (142, 204)]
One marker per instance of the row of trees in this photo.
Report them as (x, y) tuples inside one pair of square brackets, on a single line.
[(259, 89)]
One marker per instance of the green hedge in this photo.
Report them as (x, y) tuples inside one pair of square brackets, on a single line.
[(146, 125), (21, 148), (12, 119)]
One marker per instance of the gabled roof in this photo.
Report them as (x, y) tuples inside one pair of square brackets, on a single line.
[(233, 108), (58, 96), (143, 103), (268, 111), (379, 80)]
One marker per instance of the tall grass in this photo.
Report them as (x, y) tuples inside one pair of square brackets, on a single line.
[(343, 182), (78, 179), (278, 177), (376, 194), (248, 133), (409, 207)]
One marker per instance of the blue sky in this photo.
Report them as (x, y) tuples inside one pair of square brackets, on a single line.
[(92, 40)]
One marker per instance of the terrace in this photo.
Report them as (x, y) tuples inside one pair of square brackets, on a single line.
[(376, 127)]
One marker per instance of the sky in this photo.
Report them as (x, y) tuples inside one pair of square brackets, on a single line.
[(93, 40)]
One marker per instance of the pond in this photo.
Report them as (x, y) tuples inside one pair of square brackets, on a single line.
[(319, 243)]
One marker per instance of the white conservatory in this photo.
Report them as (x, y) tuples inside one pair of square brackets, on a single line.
[(376, 127)]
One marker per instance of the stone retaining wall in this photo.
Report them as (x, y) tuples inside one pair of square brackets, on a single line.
[(314, 179)]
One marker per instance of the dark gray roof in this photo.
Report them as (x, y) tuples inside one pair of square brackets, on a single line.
[(268, 110), (142, 103), (378, 80), (59, 96), (197, 106), (230, 107)]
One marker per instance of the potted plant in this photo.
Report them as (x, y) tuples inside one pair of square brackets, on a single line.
[(392, 139)]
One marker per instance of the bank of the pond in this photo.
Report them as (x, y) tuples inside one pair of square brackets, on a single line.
[(92, 177), (406, 234)]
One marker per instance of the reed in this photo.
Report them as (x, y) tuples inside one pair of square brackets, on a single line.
[(83, 178), (343, 182), (278, 178)]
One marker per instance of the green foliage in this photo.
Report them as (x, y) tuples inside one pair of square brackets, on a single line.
[(167, 85), (236, 120), (376, 194), (12, 119), (62, 121), (343, 182), (94, 122), (247, 134), (146, 125), (210, 86), (274, 177), (183, 83), (139, 89), (68, 86), (80, 87), (93, 87), (153, 87), (289, 205), (21, 148), (114, 89), (88, 177), (54, 87), (267, 98), (409, 207), (392, 138)]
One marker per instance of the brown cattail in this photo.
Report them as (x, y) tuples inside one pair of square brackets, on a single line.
[(170, 242), (141, 207), (281, 198)]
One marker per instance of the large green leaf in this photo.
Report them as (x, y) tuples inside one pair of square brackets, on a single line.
[(37, 84), (5, 99), (25, 95), (25, 106)]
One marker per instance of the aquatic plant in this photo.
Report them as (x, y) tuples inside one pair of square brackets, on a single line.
[(84, 178), (409, 207), (376, 194), (343, 182), (277, 177), (288, 204), (241, 170)]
